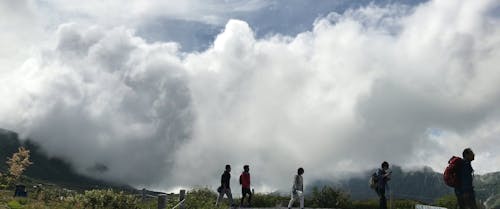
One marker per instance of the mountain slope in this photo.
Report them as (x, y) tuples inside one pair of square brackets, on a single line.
[(423, 185), (51, 170)]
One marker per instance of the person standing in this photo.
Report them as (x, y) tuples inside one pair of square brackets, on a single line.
[(466, 197), (297, 189), (245, 185), (225, 187), (383, 176)]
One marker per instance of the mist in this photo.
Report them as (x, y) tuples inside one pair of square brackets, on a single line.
[(412, 85)]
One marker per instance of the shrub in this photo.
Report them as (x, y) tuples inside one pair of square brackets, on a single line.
[(200, 198), (268, 200), (448, 201), (374, 204), (104, 199), (329, 197), (18, 163), (14, 204), (366, 204)]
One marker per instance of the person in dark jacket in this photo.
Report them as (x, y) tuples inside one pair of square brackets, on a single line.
[(245, 185), (383, 176), (225, 187), (466, 197)]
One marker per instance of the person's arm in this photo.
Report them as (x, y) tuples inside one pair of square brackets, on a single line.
[(467, 179), (222, 181), (225, 179), (295, 183)]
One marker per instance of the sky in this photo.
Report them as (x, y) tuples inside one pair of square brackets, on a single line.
[(163, 94)]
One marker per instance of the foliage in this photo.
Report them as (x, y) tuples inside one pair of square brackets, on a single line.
[(14, 204), (496, 204), (18, 163), (48, 195), (104, 199), (329, 197), (200, 198), (405, 204), (366, 204), (447, 201), (374, 204), (268, 200)]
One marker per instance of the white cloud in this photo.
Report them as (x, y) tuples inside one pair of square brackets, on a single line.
[(409, 85)]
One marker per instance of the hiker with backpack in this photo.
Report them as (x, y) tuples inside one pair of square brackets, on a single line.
[(225, 188), (459, 175), (245, 185), (297, 189), (379, 183)]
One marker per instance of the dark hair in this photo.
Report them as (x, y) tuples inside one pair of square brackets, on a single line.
[(228, 166), (385, 164), (245, 167), (467, 151), (300, 171)]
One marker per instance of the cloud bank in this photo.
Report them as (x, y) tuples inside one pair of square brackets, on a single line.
[(410, 85)]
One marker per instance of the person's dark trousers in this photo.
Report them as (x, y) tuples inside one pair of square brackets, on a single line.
[(244, 192), (383, 200), (466, 200)]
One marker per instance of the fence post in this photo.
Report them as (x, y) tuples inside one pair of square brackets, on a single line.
[(182, 196), (162, 201)]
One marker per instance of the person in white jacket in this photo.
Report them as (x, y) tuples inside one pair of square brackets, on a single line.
[(297, 189)]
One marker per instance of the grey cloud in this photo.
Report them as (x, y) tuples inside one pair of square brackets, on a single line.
[(410, 86), (107, 100)]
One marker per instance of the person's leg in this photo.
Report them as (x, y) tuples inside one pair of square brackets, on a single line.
[(469, 201), (219, 198), (473, 199), (292, 199), (383, 200), (460, 200), (249, 197), (230, 196), (243, 195), (301, 196)]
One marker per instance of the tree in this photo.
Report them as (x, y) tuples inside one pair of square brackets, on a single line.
[(18, 163)]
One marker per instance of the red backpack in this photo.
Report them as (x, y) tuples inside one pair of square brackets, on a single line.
[(451, 172)]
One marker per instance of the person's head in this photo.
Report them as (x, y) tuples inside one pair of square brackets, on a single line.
[(468, 154), (300, 171), (385, 165), (246, 168), (228, 168)]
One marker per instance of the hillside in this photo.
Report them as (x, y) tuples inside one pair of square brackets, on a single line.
[(49, 170), (423, 185)]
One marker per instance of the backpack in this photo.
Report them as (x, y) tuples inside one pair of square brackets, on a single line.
[(450, 175), (373, 181)]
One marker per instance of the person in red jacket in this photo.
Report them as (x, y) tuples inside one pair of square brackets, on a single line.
[(245, 185)]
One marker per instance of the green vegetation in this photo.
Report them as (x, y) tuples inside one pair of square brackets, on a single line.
[(374, 204), (201, 198), (447, 201), (329, 197), (58, 187)]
